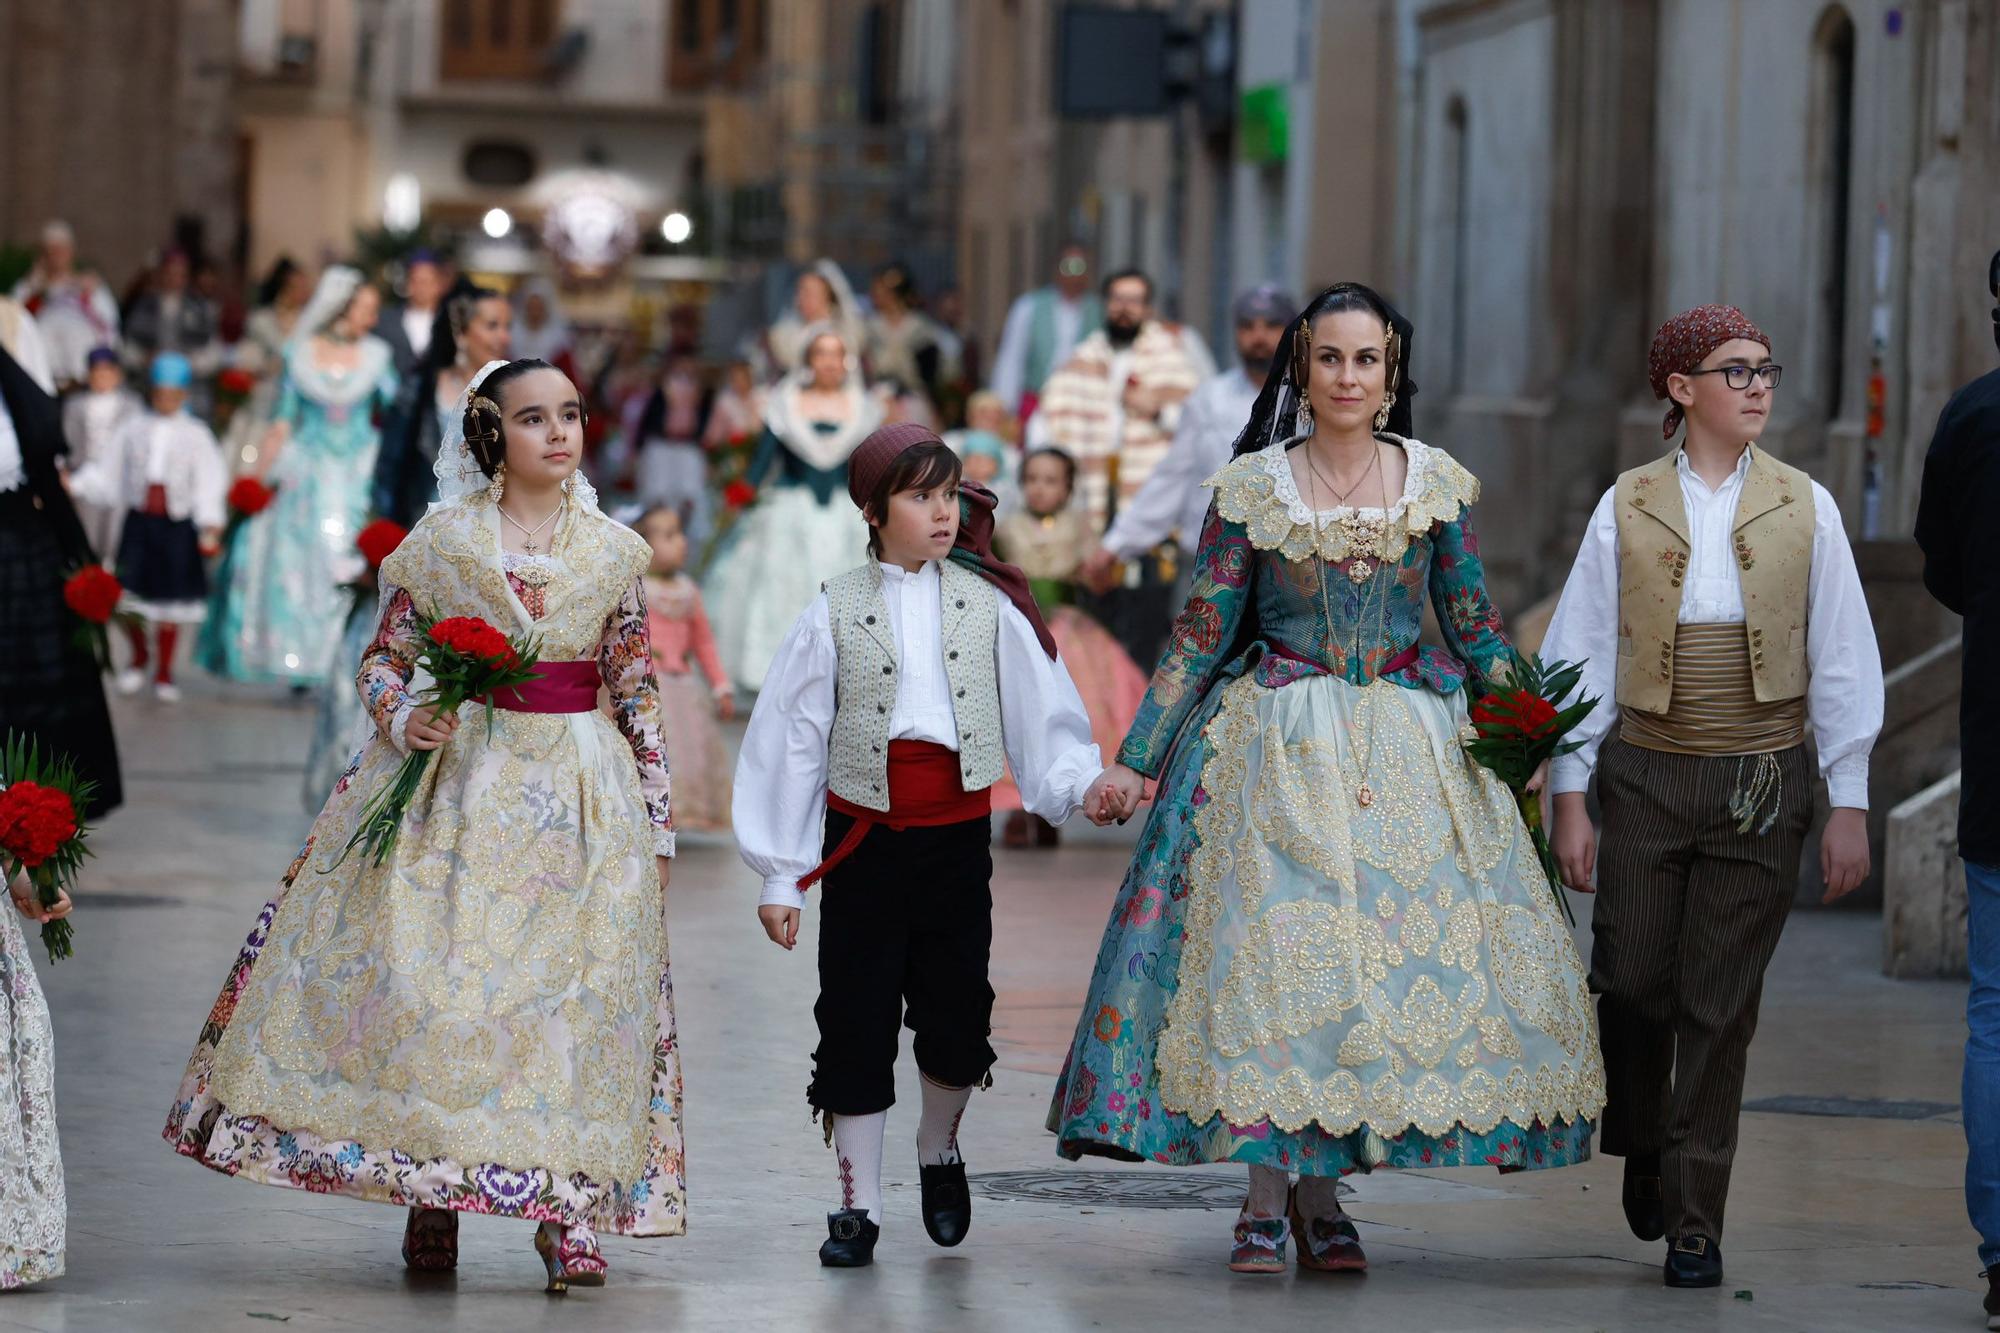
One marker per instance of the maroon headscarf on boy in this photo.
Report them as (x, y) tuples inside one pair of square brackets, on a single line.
[(1684, 341), (870, 462)]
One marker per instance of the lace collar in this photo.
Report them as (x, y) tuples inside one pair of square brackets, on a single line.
[(1258, 490)]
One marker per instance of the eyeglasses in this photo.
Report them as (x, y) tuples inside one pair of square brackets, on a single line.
[(1738, 377), (1073, 266)]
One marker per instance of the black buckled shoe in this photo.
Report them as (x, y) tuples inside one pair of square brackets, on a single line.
[(1643, 1211), (1694, 1261), (947, 1203), (850, 1239)]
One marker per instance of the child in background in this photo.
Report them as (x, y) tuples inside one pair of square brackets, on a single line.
[(1048, 541), (678, 626), (164, 467), (986, 446), (90, 421)]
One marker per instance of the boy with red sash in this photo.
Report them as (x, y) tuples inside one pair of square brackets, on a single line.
[(889, 713)]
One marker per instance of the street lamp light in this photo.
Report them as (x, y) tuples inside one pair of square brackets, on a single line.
[(676, 227), (497, 223)]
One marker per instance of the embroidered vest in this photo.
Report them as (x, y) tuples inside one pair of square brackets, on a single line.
[(1773, 544), (864, 641)]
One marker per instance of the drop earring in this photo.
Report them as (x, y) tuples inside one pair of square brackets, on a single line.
[(1302, 420), (1382, 416), (497, 488)]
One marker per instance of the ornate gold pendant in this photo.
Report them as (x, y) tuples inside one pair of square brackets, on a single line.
[(1364, 796), (534, 576), (1359, 571)]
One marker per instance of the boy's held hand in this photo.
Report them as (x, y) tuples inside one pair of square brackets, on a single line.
[(781, 924)]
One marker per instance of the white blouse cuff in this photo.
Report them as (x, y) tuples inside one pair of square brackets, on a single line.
[(663, 841), (1847, 782), (782, 891)]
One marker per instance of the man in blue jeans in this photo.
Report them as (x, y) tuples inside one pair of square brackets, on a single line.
[(1961, 493)]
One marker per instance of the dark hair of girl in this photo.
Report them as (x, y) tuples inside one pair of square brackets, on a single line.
[(647, 515), (1285, 387), (484, 436), (1061, 456), (274, 281), (921, 467)]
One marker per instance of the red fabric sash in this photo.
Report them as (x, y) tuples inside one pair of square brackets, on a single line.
[(559, 687), (925, 791)]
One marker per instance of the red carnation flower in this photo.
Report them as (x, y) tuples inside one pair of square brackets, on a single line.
[(1516, 710), (93, 592), (469, 636), (738, 494), (235, 382), (379, 540), (248, 496), (35, 821)]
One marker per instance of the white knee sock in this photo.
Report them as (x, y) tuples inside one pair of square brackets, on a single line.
[(1270, 1190), (1319, 1196), (937, 1132), (857, 1143)]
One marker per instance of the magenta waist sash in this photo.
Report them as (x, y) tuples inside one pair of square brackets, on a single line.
[(559, 687)]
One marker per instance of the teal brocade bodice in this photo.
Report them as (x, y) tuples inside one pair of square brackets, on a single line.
[(1282, 594)]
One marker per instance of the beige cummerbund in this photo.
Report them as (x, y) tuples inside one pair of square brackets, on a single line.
[(1715, 708)]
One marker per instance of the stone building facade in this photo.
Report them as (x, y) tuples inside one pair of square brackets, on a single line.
[(120, 120)]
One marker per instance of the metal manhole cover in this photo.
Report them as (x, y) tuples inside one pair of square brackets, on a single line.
[(1114, 1189)]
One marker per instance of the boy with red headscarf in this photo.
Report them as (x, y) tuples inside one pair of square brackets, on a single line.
[(1718, 612)]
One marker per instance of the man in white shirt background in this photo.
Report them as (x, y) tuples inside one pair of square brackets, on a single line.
[(407, 327), (1173, 502)]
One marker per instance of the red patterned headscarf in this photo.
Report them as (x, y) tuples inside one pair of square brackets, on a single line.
[(1684, 341)]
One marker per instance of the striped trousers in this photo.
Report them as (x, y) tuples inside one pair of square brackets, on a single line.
[(1688, 914)]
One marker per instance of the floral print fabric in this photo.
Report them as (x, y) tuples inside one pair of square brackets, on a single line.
[(1292, 979), (484, 1021), (33, 1211)]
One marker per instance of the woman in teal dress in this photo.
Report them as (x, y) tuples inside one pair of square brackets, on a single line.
[(1335, 948), (802, 529), (280, 599)]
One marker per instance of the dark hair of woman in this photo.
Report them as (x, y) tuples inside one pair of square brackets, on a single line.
[(1276, 413), (1061, 456), (273, 284), (454, 317), (921, 467), (485, 437)]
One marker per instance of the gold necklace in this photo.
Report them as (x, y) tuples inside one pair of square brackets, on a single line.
[(1364, 794), (1363, 533), (528, 535)]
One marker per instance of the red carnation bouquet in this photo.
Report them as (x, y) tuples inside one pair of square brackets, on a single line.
[(379, 540), (92, 594), (42, 830), (467, 659), (1521, 727), (248, 496), (738, 494)]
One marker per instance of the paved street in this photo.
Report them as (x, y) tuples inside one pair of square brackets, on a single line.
[(1836, 1221)]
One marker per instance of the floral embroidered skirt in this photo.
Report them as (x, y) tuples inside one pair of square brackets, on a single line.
[(1293, 979), (485, 1021), (33, 1213)]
